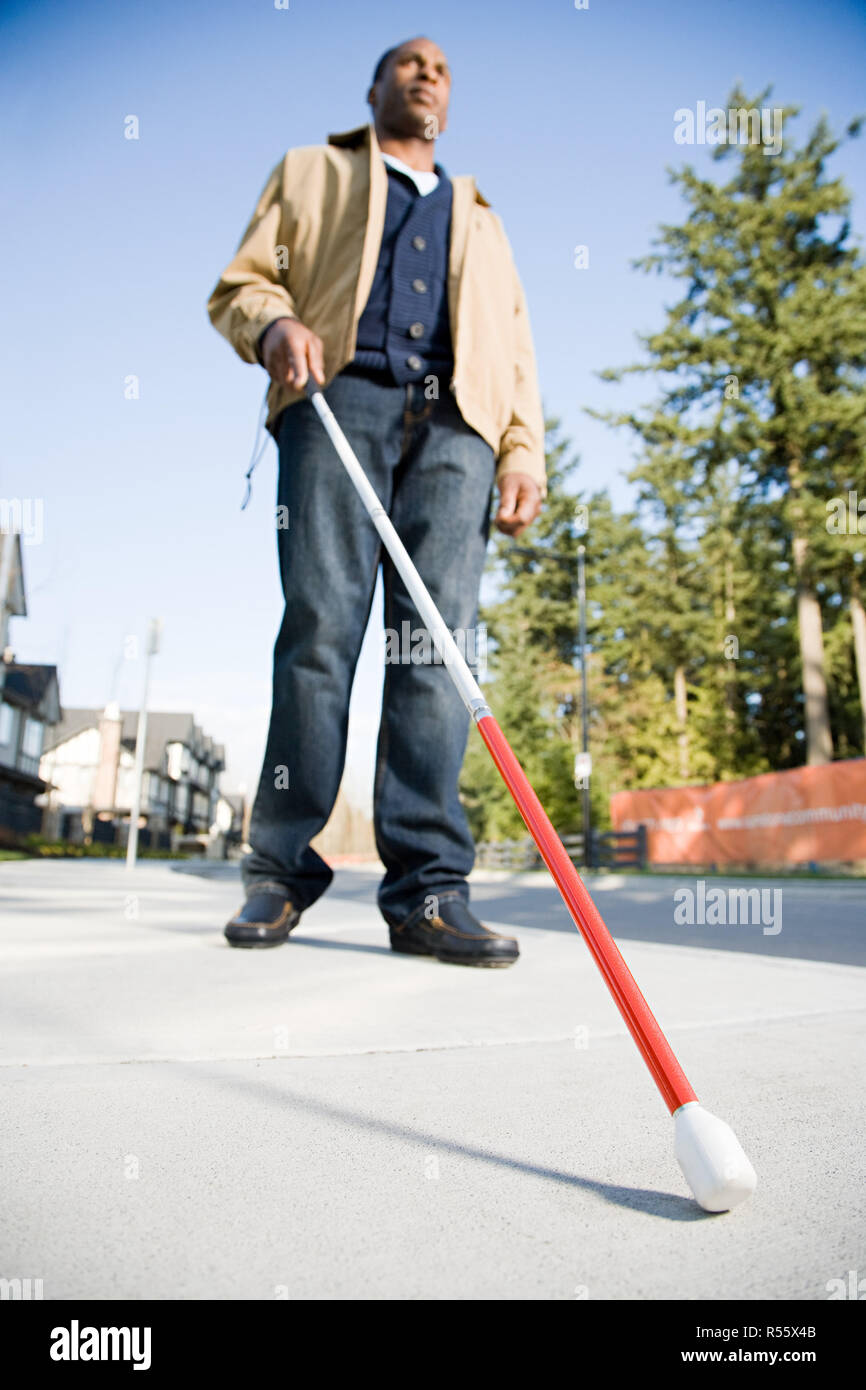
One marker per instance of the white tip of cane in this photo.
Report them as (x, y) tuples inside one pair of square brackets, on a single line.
[(711, 1158)]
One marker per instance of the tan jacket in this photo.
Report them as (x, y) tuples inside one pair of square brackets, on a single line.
[(311, 251)]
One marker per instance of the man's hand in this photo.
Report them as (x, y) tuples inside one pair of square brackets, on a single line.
[(290, 352), (519, 503)]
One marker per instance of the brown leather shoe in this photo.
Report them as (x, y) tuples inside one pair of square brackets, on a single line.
[(453, 935), (265, 919)]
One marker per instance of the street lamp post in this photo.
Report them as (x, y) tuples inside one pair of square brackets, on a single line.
[(141, 735)]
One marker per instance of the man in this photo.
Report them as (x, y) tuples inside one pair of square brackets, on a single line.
[(394, 285)]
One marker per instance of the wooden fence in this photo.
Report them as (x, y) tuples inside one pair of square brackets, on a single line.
[(609, 849)]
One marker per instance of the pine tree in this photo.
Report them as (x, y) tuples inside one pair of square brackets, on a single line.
[(763, 360), (533, 683)]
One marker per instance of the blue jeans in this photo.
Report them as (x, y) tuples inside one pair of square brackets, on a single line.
[(434, 475)]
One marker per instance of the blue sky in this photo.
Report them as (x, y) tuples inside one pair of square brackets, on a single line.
[(111, 247)]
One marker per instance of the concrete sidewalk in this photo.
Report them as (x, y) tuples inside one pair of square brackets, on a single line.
[(328, 1120)]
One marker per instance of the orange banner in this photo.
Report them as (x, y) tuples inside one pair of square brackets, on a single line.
[(815, 814)]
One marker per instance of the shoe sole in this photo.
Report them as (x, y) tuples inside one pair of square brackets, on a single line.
[(256, 943), (484, 962)]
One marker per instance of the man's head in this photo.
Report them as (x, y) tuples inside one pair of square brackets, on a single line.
[(410, 91)]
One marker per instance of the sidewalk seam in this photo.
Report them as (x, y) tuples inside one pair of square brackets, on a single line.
[(599, 1035)]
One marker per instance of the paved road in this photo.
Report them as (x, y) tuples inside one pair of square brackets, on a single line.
[(820, 920), (328, 1120)]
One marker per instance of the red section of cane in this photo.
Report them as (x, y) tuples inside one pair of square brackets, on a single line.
[(654, 1046)]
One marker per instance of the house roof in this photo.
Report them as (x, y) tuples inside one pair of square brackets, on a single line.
[(31, 687), (74, 721), (163, 727)]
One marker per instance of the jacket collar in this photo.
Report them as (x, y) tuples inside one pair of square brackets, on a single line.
[(365, 135)]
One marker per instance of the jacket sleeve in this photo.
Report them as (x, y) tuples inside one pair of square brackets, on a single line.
[(522, 447), (253, 290)]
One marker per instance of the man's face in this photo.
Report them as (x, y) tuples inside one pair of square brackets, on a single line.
[(411, 98)]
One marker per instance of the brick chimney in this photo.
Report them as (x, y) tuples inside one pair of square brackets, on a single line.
[(105, 781)]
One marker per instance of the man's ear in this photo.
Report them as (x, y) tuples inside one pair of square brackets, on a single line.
[(371, 96)]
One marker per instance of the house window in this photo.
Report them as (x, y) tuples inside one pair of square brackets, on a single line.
[(7, 724), (31, 744)]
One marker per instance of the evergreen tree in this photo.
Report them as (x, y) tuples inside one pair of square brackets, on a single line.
[(763, 360), (533, 683)]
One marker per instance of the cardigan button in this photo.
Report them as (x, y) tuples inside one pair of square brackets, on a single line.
[(414, 362), (419, 286), (419, 243), (416, 330)]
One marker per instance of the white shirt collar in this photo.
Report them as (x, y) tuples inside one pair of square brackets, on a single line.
[(425, 180)]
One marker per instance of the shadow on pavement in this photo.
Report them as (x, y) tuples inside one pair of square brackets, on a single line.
[(668, 1206)]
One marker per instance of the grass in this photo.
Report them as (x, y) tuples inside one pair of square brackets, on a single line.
[(34, 847)]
